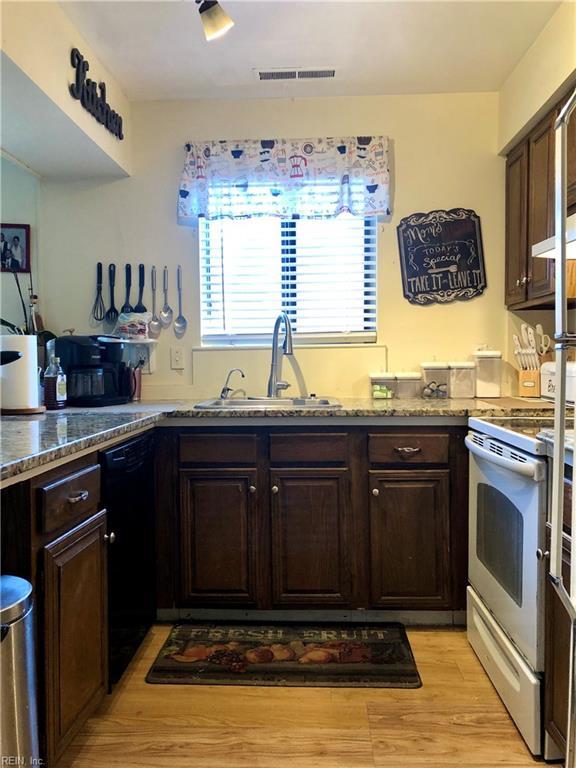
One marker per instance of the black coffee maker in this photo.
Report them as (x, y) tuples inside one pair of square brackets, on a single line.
[(95, 372)]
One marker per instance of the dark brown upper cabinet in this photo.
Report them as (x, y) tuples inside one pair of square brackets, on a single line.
[(530, 177)]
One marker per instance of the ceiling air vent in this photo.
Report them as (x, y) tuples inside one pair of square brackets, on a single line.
[(293, 74), (312, 74)]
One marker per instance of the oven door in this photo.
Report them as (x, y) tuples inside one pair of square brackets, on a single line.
[(507, 524)]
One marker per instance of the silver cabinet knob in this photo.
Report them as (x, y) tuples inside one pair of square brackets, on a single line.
[(524, 280), (252, 489), (110, 537), (518, 283), (541, 555), (375, 492), (275, 489)]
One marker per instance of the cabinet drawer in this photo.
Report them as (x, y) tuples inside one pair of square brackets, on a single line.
[(68, 500), (219, 449), (316, 447), (408, 449)]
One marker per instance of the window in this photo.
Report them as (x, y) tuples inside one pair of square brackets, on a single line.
[(321, 272)]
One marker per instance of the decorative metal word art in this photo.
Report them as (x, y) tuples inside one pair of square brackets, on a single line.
[(92, 96), (441, 256)]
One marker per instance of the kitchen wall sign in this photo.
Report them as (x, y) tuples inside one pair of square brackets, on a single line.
[(86, 90), (441, 256)]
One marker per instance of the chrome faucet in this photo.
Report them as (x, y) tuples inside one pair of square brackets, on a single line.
[(275, 385), (226, 389)]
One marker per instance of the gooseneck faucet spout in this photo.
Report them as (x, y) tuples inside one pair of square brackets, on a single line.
[(226, 389), (275, 385)]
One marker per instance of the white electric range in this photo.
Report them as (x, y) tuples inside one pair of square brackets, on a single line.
[(507, 527)]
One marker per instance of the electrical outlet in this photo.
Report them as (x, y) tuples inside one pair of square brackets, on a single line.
[(177, 358)]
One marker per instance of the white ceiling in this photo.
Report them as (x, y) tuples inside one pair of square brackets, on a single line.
[(157, 50)]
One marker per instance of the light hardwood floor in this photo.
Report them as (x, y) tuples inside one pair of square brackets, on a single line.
[(455, 720)]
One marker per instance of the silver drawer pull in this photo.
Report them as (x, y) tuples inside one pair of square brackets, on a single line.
[(76, 497), (375, 492), (274, 489), (110, 537), (252, 489), (407, 450)]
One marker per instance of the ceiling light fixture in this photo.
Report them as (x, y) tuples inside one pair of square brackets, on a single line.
[(215, 20)]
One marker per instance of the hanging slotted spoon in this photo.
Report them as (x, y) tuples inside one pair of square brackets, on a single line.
[(112, 315), (166, 311)]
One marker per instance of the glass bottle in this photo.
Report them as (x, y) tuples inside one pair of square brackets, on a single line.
[(54, 386)]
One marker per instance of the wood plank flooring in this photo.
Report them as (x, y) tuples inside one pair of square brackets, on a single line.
[(455, 720)]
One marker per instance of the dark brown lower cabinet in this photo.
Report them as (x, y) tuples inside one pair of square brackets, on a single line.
[(75, 630), (218, 536), (358, 518), (309, 549), (409, 539)]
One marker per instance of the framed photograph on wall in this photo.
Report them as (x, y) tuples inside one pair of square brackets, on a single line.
[(15, 247)]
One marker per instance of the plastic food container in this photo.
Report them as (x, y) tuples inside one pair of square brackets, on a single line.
[(383, 385), (408, 384), (488, 372), (462, 379), (438, 373)]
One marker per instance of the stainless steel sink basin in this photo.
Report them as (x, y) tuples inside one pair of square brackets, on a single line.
[(267, 403)]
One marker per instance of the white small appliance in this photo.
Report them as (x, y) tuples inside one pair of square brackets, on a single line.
[(19, 382), (548, 381)]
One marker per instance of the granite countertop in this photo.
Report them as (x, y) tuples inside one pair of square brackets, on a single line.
[(27, 442), (30, 442), (366, 407)]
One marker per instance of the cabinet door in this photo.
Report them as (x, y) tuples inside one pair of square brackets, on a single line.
[(310, 541), (541, 205), (409, 544), (218, 536), (516, 224), (75, 630), (557, 657)]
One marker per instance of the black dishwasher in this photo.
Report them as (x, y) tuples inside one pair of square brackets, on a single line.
[(128, 496)]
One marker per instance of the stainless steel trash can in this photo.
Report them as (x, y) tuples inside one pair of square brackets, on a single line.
[(18, 717)]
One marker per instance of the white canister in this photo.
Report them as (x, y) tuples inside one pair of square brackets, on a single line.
[(488, 372), (462, 379), (19, 380)]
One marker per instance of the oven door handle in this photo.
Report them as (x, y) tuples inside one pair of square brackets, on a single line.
[(535, 470)]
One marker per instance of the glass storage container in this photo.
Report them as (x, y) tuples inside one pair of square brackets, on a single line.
[(436, 373), (408, 384), (462, 379), (488, 372)]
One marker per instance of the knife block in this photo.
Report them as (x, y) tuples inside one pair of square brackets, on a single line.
[(529, 383)]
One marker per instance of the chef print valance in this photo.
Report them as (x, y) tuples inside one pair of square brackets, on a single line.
[(305, 178)]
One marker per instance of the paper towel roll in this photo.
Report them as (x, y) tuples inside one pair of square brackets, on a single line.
[(19, 380)]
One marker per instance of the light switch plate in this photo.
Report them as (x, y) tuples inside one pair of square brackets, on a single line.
[(177, 358)]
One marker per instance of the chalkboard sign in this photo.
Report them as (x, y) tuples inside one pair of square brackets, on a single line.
[(441, 256)]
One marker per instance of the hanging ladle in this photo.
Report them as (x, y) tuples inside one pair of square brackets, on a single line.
[(180, 323), (154, 326)]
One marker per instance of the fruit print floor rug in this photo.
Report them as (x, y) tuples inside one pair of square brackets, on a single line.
[(351, 655)]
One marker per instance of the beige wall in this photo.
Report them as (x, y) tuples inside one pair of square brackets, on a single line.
[(19, 200), (38, 37), (543, 74), (444, 156)]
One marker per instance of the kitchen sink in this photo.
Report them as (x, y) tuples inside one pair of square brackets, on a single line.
[(267, 403)]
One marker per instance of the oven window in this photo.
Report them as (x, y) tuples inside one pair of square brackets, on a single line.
[(499, 539)]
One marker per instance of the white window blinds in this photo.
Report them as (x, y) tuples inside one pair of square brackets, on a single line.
[(321, 272)]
